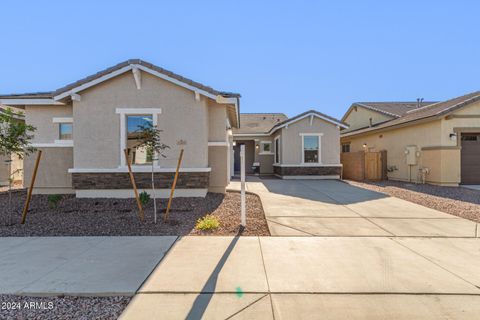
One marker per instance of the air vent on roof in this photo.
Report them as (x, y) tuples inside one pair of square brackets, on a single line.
[(419, 102)]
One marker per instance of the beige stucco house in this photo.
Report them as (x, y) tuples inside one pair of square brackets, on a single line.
[(436, 140), (304, 146), (84, 127)]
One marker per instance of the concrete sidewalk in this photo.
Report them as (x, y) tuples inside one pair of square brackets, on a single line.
[(313, 277), (334, 208), (78, 265)]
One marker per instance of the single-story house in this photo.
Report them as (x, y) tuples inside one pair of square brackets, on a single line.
[(440, 140), (304, 146), (84, 127)]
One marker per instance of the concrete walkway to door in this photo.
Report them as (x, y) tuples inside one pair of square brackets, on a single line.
[(334, 208)]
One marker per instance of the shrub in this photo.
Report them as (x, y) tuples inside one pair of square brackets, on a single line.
[(144, 198), (53, 200), (209, 222)]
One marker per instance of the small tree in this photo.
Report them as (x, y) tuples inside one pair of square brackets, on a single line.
[(149, 137), (15, 137)]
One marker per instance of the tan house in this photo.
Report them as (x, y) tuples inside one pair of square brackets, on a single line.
[(84, 127), (438, 141), (302, 147)]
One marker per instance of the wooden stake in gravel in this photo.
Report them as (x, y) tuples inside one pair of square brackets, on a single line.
[(32, 183), (132, 179), (173, 187)]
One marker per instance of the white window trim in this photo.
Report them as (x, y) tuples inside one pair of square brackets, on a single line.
[(218, 143), (276, 161), (319, 135), (136, 169), (62, 120), (262, 143), (56, 144), (123, 112)]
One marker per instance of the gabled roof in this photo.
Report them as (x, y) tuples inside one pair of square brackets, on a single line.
[(306, 114), (58, 96), (429, 112), (254, 123), (139, 62), (393, 109)]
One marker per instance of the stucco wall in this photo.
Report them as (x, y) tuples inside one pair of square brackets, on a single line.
[(218, 160), (217, 122), (292, 141), (41, 117), (97, 126), (395, 142), (52, 174), (359, 118), (437, 150)]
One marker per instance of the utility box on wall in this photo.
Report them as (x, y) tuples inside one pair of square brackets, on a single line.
[(411, 155)]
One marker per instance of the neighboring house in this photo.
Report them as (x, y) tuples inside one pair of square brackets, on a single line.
[(304, 146), (440, 139), (16, 164), (84, 127)]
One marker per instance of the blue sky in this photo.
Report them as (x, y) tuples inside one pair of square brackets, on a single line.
[(282, 56)]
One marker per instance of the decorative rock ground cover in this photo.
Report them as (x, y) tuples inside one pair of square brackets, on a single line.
[(119, 217)]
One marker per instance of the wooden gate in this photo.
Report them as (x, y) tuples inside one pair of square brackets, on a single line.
[(373, 166), (364, 165)]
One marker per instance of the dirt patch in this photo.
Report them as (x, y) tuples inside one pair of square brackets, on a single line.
[(119, 217), (23, 307), (457, 201)]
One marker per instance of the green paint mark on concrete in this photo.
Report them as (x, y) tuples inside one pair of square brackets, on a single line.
[(239, 292)]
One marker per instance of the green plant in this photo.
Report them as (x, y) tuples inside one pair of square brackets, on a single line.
[(144, 198), (209, 222), (149, 137), (15, 138), (53, 200)]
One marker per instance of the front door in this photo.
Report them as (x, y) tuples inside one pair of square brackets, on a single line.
[(236, 157)]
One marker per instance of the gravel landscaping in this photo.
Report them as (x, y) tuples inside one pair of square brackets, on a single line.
[(81, 308), (457, 201), (119, 217)]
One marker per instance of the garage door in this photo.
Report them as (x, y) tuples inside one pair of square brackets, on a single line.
[(470, 158)]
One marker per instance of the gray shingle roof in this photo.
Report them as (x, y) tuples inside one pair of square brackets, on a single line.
[(431, 111), (114, 68), (252, 123), (395, 109), (307, 112)]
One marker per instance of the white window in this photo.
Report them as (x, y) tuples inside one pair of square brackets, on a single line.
[(65, 131), (311, 148), (137, 153), (277, 150), (266, 147), (131, 120)]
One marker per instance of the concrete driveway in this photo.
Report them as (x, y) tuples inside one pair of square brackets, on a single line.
[(334, 208)]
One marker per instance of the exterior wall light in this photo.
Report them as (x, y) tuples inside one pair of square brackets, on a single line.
[(453, 136)]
